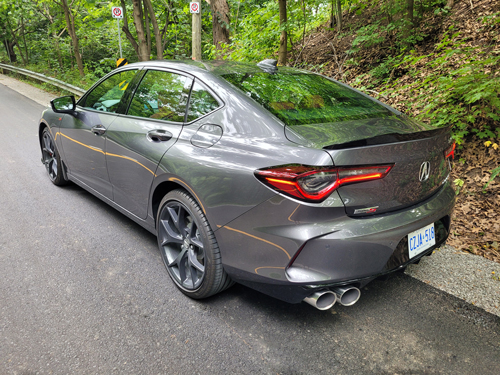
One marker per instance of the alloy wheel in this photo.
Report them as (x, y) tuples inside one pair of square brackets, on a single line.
[(49, 156), (182, 245)]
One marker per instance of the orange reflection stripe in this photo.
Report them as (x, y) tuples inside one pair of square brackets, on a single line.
[(290, 217), (106, 153), (191, 190), (258, 238)]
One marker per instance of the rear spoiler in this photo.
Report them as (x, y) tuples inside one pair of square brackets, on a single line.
[(389, 138)]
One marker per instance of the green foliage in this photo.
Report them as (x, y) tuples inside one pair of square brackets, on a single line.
[(257, 33), (367, 37), (466, 97), (249, 44), (494, 173)]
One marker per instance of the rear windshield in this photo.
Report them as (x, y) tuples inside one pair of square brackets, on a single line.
[(304, 99)]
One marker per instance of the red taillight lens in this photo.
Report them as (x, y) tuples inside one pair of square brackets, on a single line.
[(450, 151), (315, 184)]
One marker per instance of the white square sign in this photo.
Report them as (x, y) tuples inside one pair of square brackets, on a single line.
[(117, 12), (194, 7)]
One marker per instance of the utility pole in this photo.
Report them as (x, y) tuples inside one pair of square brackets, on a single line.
[(195, 10)]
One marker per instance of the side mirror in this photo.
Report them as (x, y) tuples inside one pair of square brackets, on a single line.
[(64, 104)]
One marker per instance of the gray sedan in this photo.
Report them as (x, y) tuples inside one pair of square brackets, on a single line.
[(280, 179)]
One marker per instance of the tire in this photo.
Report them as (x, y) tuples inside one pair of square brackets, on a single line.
[(188, 247), (51, 159)]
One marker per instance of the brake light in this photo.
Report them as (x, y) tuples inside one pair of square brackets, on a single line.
[(450, 151), (315, 184)]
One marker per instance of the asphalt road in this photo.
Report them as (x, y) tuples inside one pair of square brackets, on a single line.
[(83, 290)]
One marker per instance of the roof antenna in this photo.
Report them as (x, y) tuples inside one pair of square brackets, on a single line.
[(269, 66)]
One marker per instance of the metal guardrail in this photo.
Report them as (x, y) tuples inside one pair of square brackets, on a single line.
[(53, 81)]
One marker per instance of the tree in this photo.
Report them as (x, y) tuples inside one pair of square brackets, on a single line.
[(338, 14), (143, 12), (220, 23), (282, 52), (13, 29), (47, 12), (70, 25)]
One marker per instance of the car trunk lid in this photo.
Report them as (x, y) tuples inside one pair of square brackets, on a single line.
[(419, 169)]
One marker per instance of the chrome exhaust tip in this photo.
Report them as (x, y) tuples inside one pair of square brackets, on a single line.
[(347, 295), (322, 300)]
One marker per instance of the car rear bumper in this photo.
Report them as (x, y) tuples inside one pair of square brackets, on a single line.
[(320, 247)]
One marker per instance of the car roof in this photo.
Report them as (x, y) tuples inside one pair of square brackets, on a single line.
[(216, 67)]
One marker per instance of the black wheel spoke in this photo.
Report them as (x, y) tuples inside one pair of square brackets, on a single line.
[(169, 235), (193, 260), (177, 217), (197, 242), (189, 282), (47, 161), (179, 259)]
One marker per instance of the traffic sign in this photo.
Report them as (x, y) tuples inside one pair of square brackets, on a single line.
[(117, 12), (194, 7)]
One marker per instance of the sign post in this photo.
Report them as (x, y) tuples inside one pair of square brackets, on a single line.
[(194, 8), (117, 12)]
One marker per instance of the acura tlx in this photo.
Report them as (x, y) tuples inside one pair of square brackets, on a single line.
[(279, 179)]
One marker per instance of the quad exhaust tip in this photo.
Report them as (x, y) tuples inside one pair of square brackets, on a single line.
[(325, 299), (347, 295), (322, 300)]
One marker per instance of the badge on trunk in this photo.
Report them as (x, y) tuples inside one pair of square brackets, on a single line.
[(425, 170)]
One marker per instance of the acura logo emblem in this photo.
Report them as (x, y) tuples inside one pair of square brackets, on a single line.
[(425, 170)]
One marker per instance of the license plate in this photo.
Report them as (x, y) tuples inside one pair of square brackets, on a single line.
[(421, 240)]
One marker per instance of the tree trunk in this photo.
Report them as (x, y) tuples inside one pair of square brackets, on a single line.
[(23, 35), (156, 30), (220, 23), (332, 15), (15, 42), (147, 28), (282, 52), (142, 44), (70, 23), (9, 47), (409, 13), (339, 15), (126, 30)]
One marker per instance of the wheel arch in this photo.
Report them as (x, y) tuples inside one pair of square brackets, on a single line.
[(41, 128), (165, 187)]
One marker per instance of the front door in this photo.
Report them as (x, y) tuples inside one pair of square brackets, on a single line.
[(84, 134)]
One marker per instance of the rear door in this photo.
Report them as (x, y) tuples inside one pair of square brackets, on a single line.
[(137, 140)]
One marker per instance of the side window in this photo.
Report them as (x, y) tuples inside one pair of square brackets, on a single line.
[(200, 103), (107, 95), (161, 95)]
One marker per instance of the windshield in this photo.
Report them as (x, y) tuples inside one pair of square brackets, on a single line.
[(304, 99)]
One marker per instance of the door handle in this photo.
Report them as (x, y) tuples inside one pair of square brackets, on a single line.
[(159, 135), (98, 130)]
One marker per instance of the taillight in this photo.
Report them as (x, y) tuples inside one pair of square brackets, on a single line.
[(450, 151), (315, 184)]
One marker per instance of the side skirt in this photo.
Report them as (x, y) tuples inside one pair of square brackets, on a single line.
[(147, 224)]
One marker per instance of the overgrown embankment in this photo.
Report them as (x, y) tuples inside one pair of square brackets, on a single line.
[(444, 69)]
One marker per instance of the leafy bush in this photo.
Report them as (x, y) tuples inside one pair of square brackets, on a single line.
[(461, 87)]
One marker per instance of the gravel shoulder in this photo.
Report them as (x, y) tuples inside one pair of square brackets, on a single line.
[(471, 278)]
